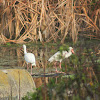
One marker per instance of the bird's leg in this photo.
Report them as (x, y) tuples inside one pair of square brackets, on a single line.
[(56, 69), (56, 66), (60, 68), (60, 65), (31, 69)]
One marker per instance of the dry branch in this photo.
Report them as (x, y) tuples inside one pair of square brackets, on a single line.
[(24, 20)]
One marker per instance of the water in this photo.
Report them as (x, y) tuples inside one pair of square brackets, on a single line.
[(13, 57), (80, 84)]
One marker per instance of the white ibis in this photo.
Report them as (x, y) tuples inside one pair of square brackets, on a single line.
[(59, 56), (29, 58)]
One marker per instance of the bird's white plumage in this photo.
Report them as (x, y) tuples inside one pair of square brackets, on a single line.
[(29, 57), (59, 56)]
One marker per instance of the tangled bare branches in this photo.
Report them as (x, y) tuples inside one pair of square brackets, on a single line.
[(45, 20)]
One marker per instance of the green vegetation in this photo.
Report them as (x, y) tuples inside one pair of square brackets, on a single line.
[(80, 82)]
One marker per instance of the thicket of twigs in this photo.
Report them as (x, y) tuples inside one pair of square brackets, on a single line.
[(46, 20)]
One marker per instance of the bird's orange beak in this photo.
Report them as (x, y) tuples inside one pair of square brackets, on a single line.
[(72, 51)]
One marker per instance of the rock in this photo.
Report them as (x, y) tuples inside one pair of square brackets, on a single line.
[(15, 83)]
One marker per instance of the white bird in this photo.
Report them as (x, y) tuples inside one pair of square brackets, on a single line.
[(29, 58), (59, 56)]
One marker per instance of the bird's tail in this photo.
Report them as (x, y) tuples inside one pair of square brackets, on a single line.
[(34, 64), (50, 60)]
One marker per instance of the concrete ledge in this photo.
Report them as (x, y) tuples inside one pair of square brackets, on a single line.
[(15, 83)]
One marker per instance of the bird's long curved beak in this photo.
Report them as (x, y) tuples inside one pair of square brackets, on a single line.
[(72, 51)]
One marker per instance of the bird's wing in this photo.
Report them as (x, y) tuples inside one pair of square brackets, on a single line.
[(55, 57), (30, 58), (64, 53)]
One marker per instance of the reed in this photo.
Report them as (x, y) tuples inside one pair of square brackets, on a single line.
[(45, 20)]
